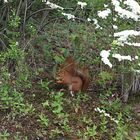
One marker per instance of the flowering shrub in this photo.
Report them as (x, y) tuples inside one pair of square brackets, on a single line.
[(36, 36)]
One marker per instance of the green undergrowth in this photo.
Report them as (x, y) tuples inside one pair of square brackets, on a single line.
[(58, 115), (135, 126), (32, 104)]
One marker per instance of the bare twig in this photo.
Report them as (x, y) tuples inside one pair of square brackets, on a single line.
[(24, 21), (18, 9), (38, 12), (4, 46), (43, 19), (30, 4), (60, 18)]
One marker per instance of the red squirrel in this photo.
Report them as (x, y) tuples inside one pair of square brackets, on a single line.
[(69, 75)]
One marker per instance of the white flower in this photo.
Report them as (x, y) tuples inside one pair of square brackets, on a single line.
[(96, 23), (137, 71), (122, 57), (115, 27), (105, 5), (17, 43), (54, 6), (114, 19), (124, 35), (97, 109), (5, 1), (134, 6), (105, 54), (133, 44), (136, 57), (107, 115), (127, 33), (88, 19), (101, 111), (69, 16), (123, 13), (82, 4), (104, 14), (116, 121)]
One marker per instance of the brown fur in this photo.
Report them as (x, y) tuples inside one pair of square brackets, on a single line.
[(69, 74)]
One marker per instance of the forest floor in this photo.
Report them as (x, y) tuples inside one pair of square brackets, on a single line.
[(59, 116), (134, 103), (68, 118)]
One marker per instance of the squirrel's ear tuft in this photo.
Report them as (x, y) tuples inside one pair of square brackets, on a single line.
[(70, 60)]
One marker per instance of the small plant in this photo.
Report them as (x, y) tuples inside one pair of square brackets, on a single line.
[(56, 132), (90, 133), (18, 137), (104, 77), (103, 124), (58, 110), (87, 121), (90, 129), (31, 29), (83, 97), (26, 108), (46, 104), (121, 130), (57, 104), (43, 119), (79, 98), (45, 85), (18, 105), (4, 135), (5, 98), (14, 100), (14, 19), (137, 137), (65, 123), (111, 106)]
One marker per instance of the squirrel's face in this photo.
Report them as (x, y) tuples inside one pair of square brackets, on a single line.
[(74, 83), (64, 77)]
